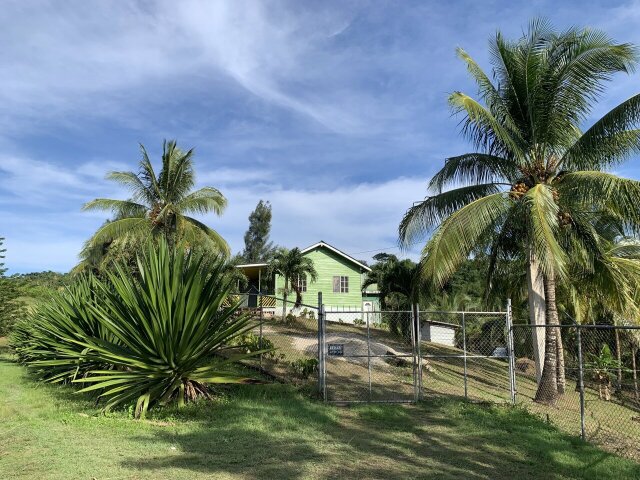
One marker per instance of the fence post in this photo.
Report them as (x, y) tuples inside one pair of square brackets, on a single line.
[(369, 356), (581, 383), (419, 341), (321, 361), (464, 350), (261, 320), (414, 336), (511, 349)]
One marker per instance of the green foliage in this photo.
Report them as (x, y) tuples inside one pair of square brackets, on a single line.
[(11, 307), (257, 247), (39, 285), (151, 339), (537, 184), (537, 191), (304, 367), (290, 319), (396, 280), (358, 321), (159, 206), (251, 343), (292, 265)]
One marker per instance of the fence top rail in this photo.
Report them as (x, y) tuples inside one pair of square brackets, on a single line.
[(460, 312), (581, 326), (367, 311), (422, 312)]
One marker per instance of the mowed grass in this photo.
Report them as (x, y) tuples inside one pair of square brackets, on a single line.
[(274, 431), (610, 424)]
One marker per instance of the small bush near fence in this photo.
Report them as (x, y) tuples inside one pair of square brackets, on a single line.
[(304, 367)]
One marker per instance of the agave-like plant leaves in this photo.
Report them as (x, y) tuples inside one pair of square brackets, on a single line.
[(52, 339), (151, 337)]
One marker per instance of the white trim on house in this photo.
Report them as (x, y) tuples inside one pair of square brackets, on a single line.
[(248, 265), (335, 250)]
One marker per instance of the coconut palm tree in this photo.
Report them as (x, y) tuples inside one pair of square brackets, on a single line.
[(396, 280), (393, 276), (158, 206), (292, 266), (536, 184)]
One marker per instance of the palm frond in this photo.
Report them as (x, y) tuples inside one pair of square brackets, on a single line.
[(204, 200), (486, 131), (139, 191), (195, 230), (121, 208), (543, 229), (458, 235), (609, 141), (424, 216), (124, 229), (474, 168), (603, 191)]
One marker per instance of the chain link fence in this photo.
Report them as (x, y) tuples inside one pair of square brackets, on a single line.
[(466, 354), (403, 356), (288, 335), (596, 382), (370, 357)]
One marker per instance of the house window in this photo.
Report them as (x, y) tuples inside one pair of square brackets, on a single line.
[(302, 283), (340, 284)]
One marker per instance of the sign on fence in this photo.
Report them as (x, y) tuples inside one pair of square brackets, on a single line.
[(336, 349)]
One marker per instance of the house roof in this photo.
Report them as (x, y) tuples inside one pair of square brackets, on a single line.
[(323, 244), (249, 265)]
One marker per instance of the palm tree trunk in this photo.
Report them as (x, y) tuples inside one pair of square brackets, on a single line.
[(619, 355), (537, 310), (561, 379), (548, 387)]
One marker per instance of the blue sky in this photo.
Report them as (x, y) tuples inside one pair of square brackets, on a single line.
[(334, 111)]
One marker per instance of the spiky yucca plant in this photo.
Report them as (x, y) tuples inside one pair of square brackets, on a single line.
[(150, 338)]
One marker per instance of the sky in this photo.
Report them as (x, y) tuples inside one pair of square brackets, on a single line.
[(335, 112)]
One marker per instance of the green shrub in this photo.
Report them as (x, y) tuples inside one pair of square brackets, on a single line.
[(250, 343), (358, 321), (290, 319), (304, 367), (150, 339)]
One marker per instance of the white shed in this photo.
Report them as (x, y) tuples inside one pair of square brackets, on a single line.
[(438, 332)]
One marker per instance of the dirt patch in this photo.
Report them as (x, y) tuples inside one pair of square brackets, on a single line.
[(526, 366), (355, 346)]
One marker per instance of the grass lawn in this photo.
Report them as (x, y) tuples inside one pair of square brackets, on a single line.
[(273, 431)]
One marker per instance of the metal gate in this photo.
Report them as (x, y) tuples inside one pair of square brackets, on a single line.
[(400, 356)]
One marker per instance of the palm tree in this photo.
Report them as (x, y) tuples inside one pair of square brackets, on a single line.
[(393, 276), (537, 184), (292, 266), (158, 206), (396, 280)]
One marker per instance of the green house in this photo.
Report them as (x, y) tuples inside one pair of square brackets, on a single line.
[(340, 279)]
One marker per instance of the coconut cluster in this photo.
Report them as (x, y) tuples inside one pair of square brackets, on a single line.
[(564, 219), (519, 189)]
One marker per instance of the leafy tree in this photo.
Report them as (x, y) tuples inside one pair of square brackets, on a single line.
[(601, 367), (10, 305), (148, 339), (396, 280), (158, 207), (292, 265), (257, 247), (537, 185), (393, 276)]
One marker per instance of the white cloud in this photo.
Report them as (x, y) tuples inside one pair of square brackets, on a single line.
[(96, 59), (355, 218)]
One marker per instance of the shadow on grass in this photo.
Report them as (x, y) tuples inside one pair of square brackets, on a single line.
[(276, 433)]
